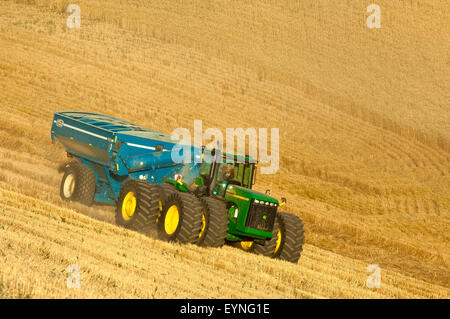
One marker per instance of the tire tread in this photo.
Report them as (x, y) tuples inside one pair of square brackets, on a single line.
[(217, 229)]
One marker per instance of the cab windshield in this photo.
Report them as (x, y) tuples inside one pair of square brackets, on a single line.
[(235, 173)]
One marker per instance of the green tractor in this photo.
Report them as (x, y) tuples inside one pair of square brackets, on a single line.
[(220, 207)]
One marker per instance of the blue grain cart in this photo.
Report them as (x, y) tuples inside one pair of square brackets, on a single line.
[(115, 162)]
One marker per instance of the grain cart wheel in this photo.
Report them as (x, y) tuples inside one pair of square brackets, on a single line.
[(68, 182), (288, 237), (137, 207), (214, 223), (181, 218), (78, 183)]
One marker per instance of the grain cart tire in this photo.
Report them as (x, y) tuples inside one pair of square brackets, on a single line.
[(289, 236), (137, 207), (165, 190), (214, 223), (181, 218), (68, 182), (78, 183), (86, 189)]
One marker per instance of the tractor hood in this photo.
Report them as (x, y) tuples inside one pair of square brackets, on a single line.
[(249, 194)]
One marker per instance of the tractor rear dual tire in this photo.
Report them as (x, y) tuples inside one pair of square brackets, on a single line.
[(78, 183), (180, 219), (214, 223), (165, 190), (137, 207), (214, 217)]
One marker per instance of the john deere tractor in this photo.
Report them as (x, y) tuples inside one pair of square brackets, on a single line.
[(230, 211)]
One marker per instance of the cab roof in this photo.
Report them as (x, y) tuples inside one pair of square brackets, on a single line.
[(247, 158)]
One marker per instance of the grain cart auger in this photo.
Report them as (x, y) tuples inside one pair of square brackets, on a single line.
[(115, 162)]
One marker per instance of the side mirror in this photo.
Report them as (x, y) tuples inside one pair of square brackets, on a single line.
[(283, 201)]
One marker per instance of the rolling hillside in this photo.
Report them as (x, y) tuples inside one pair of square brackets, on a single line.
[(364, 140), (41, 239)]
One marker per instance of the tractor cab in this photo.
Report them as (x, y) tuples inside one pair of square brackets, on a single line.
[(230, 178), (218, 176)]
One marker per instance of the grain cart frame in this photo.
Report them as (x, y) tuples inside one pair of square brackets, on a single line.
[(119, 163)]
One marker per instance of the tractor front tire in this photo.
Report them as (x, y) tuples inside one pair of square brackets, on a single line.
[(288, 237), (214, 223), (268, 249), (78, 183), (137, 207), (181, 218)]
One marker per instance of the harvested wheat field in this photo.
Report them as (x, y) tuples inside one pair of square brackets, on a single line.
[(364, 141)]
